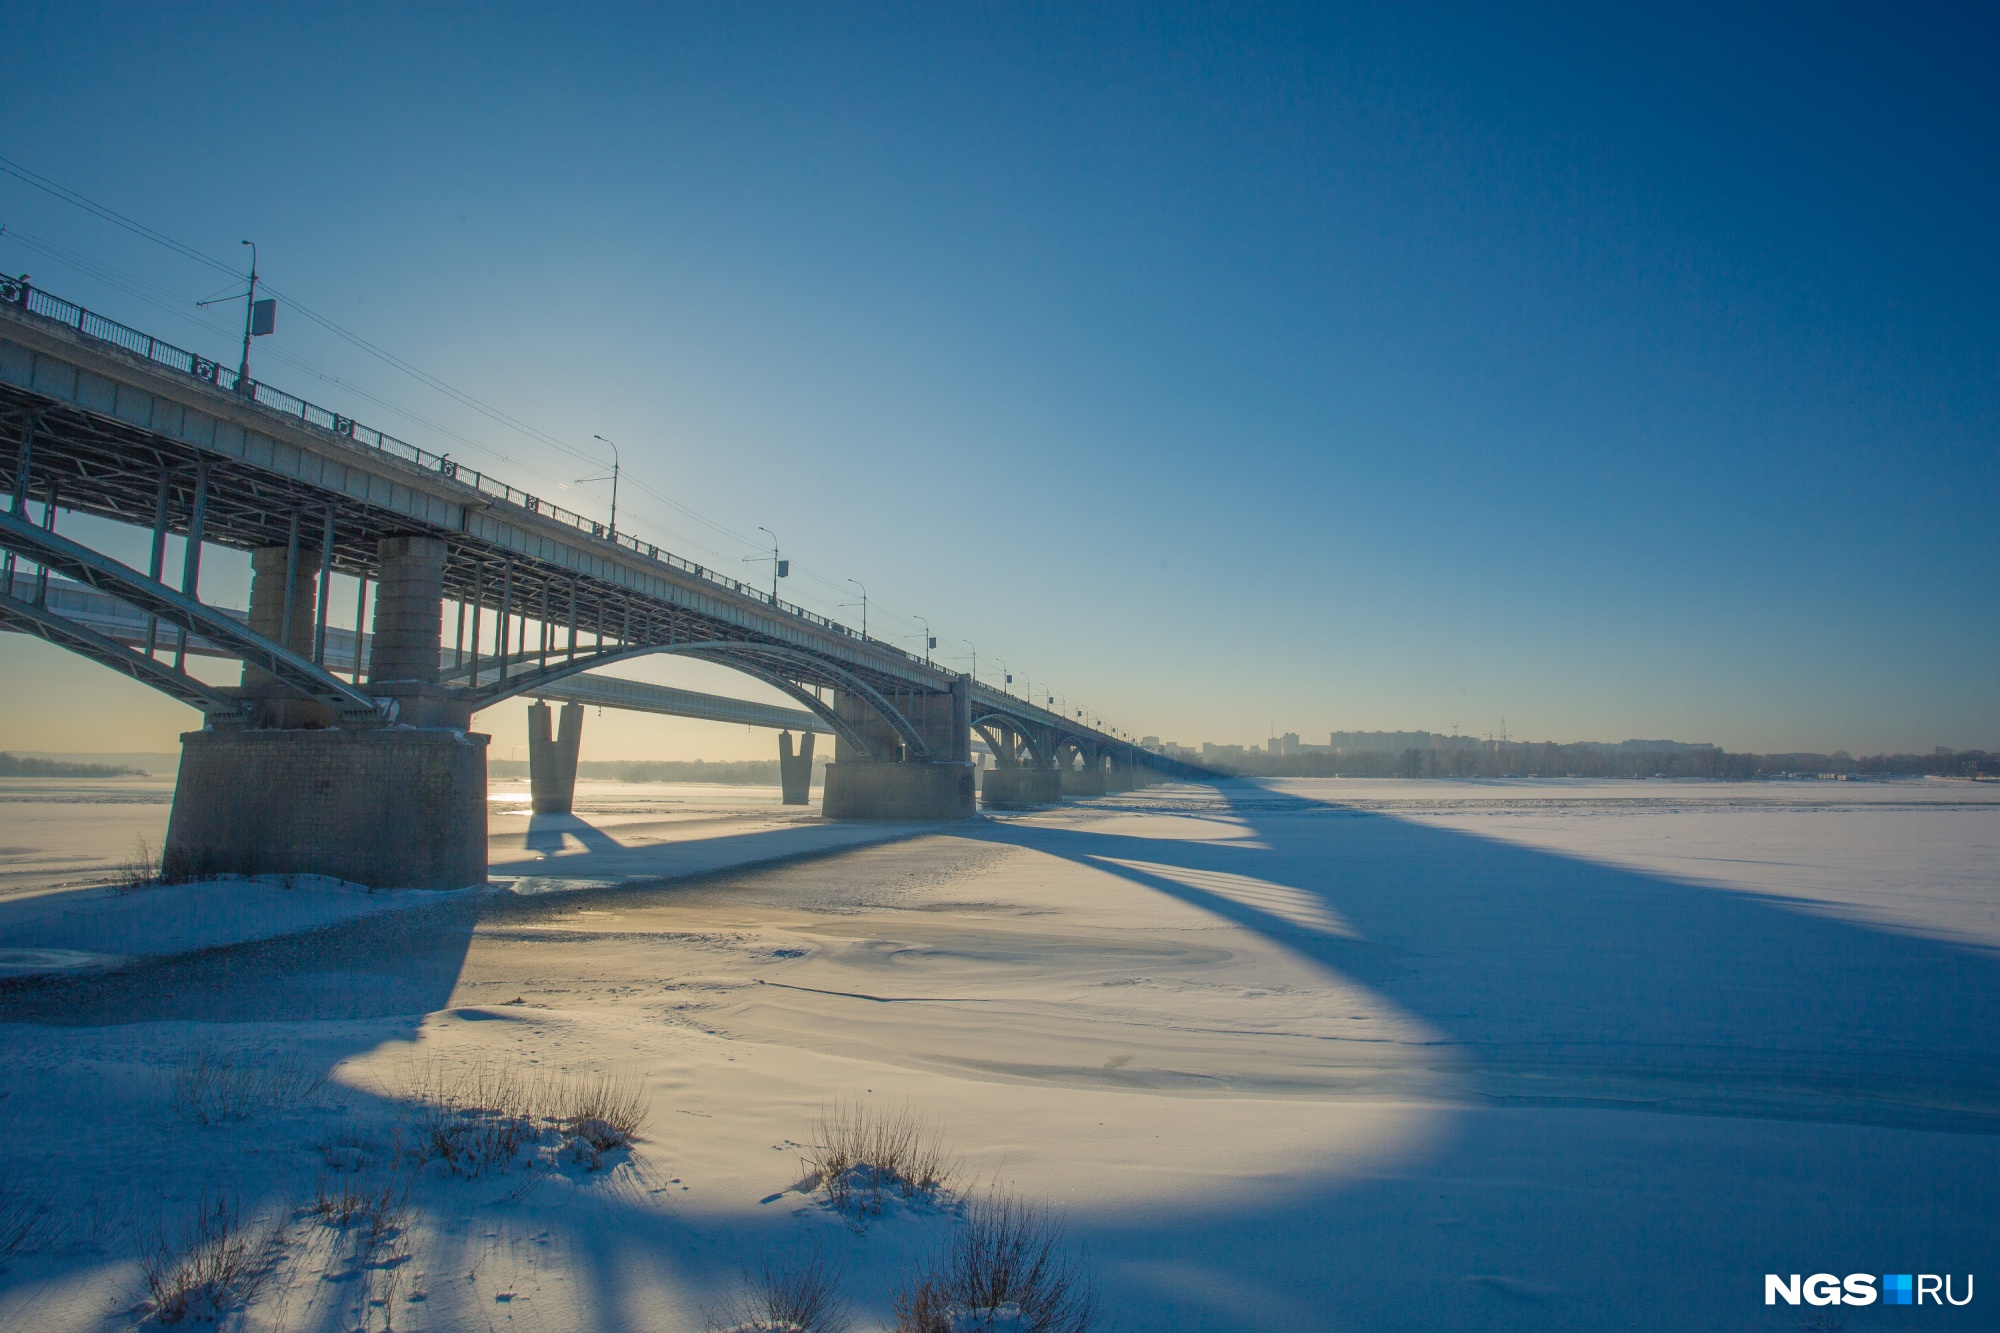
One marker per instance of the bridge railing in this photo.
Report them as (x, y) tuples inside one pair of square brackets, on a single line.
[(19, 292)]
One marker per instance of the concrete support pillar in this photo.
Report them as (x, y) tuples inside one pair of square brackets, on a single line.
[(864, 786), (273, 705), (795, 770), (960, 723), (1085, 781), (898, 791), (552, 758), (1019, 788), (409, 611), (389, 807), (267, 602), (865, 718)]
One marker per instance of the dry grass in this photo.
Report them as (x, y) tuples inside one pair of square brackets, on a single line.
[(475, 1120), (483, 1118), (600, 1114), (139, 871), (864, 1156), (799, 1294), (206, 1271), (186, 867), (1006, 1268), (26, 1223), (351, 1149), (208, 1086), (376, 1208)]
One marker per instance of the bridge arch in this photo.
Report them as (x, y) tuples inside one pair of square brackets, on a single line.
[(1031, 735), (738, 655)]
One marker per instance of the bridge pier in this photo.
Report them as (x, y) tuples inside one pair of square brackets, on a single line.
[(288, 792), (552, 758), (409, 633), (1019, 788), (388, 807), (898, 791), (862, 785), (270, 599), (795, 771), (1082, 781)]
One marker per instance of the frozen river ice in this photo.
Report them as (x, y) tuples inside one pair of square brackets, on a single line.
[(1313, 1054)]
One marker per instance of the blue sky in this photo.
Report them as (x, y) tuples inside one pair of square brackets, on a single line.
[(1617, 373)]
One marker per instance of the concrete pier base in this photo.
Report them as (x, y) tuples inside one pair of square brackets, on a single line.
[(1019, 788), (1118, 779), (795, 771), (1082, 782), (389, 807), (552, 758), (898, 791)]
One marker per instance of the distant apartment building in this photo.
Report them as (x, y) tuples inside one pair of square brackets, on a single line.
[(1285, 745), (1383, 742)]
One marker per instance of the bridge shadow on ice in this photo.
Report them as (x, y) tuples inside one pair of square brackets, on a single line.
[(1807, 1047), (549, 834)]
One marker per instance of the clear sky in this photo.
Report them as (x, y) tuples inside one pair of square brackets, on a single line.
[(1619, 372)]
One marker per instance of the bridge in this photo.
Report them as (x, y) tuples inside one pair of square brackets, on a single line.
[(378, 778)]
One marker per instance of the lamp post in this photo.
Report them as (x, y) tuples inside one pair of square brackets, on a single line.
[(975, 656), (778, 569), (864, 605), (614, 484), (249, 314), (930, 640), (1006, 675)]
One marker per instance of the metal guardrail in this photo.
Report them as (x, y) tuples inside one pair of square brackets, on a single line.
[(33, 300), (19, 292)]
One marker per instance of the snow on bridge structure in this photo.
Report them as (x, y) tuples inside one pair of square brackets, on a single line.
[(381, 780)]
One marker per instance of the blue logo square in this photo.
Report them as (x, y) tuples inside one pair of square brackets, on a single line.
[(1895, 1289)]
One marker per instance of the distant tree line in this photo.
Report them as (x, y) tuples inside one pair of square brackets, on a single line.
[(14, 766), (1550, 760)]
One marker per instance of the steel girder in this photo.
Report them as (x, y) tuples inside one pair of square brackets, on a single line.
[(111, 464), (789, 669), (1032, 736), (102, 573), (105, 651)]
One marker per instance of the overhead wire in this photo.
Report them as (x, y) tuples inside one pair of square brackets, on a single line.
[(169, 301)]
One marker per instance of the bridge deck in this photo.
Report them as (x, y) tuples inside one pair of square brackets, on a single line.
[(116, 420)]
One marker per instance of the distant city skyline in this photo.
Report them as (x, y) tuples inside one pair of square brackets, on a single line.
[(1615, 376)]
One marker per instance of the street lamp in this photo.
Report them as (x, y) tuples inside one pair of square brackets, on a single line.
[(259, 318), (1007, 676), (930, 640), (614, 484), (779, 568), (249, 319), (864, 605), (975, 656)]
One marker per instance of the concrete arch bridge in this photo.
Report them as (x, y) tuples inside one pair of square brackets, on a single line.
[(482, 592)]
